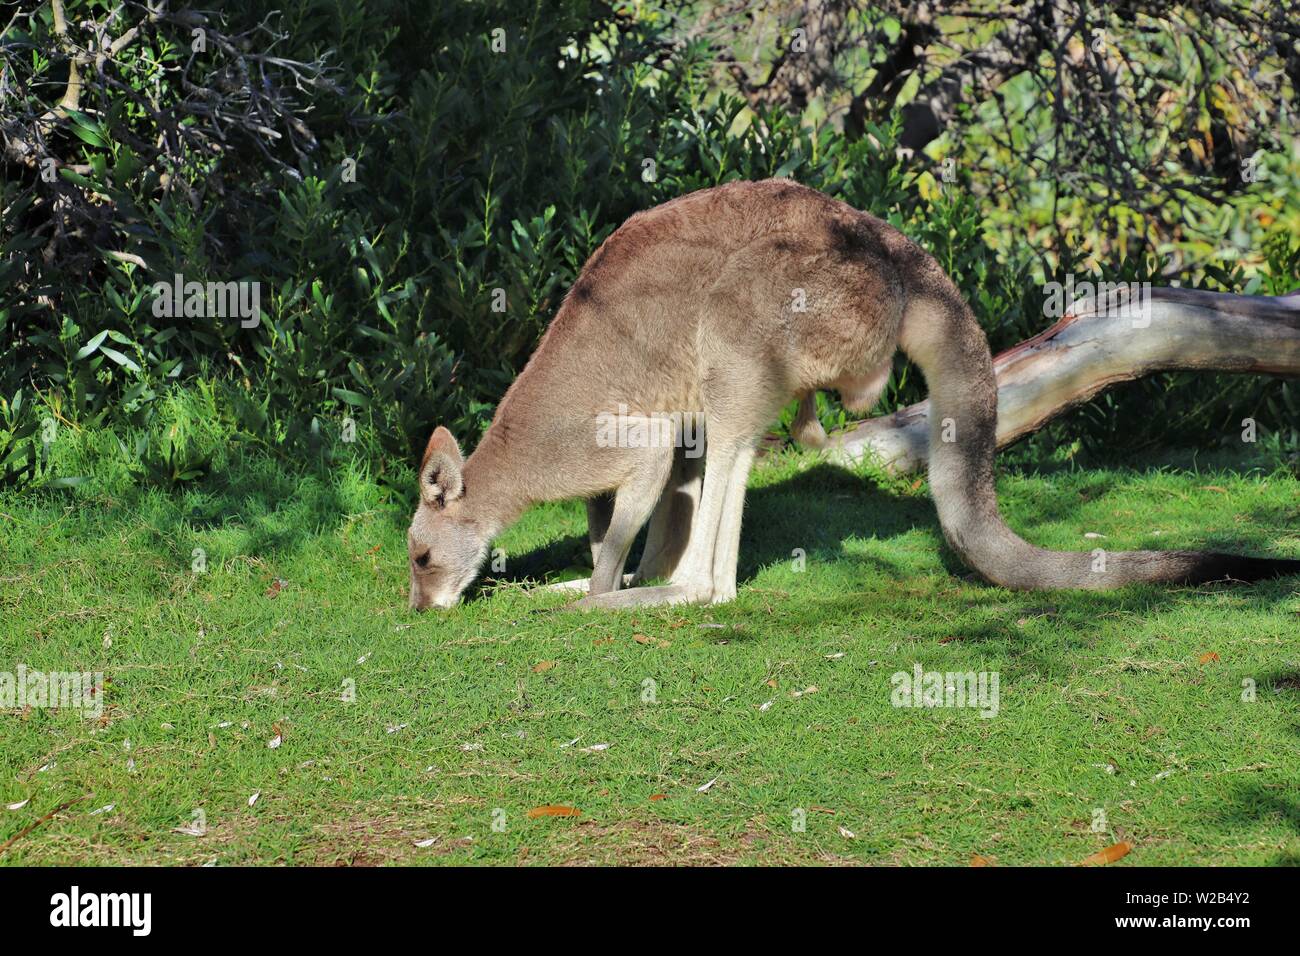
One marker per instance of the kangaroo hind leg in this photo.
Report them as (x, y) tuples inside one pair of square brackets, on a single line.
[(634, 502), (670, 526)]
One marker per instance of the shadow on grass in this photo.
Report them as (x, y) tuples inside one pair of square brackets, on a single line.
[(277, 513), (1258, 803), (824, 506), (270, 511), (819, 508)]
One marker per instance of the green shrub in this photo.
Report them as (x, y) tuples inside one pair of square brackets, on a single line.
[(412, 226)]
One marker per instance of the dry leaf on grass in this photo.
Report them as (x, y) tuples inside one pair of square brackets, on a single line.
[(977, 860), (541, 667), (1209, 656), (653, 641), (552, 810), (1116, 851)]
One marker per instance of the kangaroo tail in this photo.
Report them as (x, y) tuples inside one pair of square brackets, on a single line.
[(939, 332)]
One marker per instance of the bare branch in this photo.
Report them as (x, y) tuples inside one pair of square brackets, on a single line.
[(1093, 348)]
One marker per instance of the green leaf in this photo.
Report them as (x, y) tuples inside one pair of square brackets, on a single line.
[(351, 397), (90, 346), (77, 178), (119, 358), (788, 166), (86, 129)]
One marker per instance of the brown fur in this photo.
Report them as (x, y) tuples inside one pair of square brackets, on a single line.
[(693, 307)]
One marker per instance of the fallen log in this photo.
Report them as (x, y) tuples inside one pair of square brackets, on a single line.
[(1096, 345)]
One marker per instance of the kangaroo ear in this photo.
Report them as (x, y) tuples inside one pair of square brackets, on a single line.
[(440, 479)]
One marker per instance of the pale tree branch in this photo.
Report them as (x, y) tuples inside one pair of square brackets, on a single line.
[(1094, 347)]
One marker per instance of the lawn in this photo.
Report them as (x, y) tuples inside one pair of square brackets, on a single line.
[(757, 732)]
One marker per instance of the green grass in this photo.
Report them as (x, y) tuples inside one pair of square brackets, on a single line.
[(1111, 705)]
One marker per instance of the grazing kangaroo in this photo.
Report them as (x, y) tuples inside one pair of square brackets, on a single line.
[(729, 302)]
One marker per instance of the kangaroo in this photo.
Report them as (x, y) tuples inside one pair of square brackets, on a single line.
[(729, 302)]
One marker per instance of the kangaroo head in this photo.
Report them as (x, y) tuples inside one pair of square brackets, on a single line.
[(446, 545)]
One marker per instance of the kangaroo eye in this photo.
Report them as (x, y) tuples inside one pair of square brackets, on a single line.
[(423, 560)]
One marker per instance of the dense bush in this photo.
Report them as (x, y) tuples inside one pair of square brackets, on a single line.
[(391, 176)]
